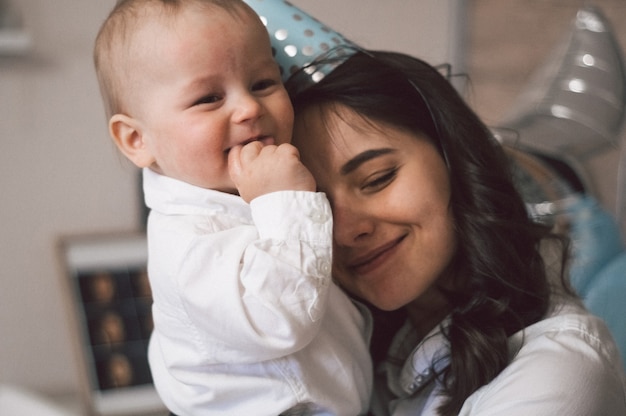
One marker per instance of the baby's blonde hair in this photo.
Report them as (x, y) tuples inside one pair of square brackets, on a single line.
[(114, 42)]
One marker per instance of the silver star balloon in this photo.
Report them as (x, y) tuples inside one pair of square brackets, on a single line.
[(576, 101)]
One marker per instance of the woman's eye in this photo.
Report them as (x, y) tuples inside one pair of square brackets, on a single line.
[(380, 181)]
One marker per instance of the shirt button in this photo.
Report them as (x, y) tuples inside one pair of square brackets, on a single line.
[(324, 267), (417, 383), (319, 217)]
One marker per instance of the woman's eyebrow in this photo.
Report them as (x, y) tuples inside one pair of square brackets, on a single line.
[(363, 157)]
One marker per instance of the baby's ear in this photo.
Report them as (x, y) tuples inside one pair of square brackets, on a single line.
[(128, 136)]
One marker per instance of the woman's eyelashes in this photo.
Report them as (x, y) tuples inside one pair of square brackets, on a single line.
[(380, 180)]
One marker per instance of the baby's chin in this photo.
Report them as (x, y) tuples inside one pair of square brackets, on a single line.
[(227, 190)]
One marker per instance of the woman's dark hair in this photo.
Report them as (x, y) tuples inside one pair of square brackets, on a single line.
[(501, 282)]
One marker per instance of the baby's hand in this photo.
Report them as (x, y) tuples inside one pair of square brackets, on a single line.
[(257, 170)]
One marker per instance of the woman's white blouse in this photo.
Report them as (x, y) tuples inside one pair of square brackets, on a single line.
[(566, 364)]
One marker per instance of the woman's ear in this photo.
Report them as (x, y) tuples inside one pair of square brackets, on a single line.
[(128, 136)]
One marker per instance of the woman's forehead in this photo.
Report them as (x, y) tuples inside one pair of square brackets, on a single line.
[(337, 121), (326, 132), (329, 141)]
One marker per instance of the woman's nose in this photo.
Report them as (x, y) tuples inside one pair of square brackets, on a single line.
[(351, 224), (247, 107)]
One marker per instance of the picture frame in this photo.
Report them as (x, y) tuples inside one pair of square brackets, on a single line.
[(109, 308)]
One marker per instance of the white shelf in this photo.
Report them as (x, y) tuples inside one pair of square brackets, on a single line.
[(14, 42)]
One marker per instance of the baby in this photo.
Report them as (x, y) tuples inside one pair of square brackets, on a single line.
[(247, 318)]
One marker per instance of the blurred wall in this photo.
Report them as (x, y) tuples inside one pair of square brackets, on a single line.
[(60, 175)]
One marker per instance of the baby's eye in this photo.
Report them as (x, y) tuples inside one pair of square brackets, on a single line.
[(264, 84), (208, 99)]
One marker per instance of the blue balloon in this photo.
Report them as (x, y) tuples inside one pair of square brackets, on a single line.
[(605, 298), (596, 239)]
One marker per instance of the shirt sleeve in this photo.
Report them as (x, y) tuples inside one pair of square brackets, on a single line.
[(254, 293)]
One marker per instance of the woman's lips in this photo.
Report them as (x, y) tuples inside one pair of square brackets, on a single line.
[(372, 260)]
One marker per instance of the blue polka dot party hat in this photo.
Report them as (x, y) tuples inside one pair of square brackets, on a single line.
[(298, 39)]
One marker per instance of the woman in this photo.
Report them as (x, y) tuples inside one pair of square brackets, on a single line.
[(472, 312)]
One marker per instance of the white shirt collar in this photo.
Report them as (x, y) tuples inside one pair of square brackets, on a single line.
[(174, 197)]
